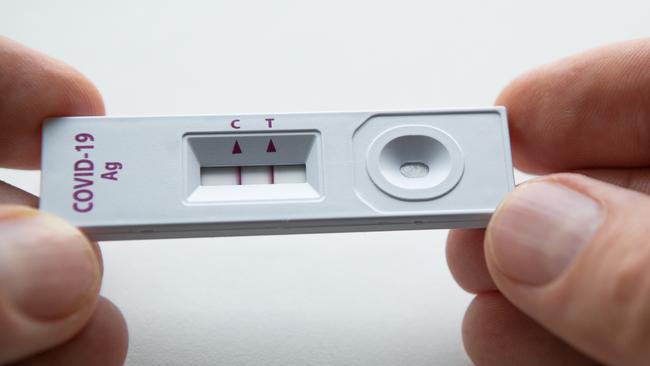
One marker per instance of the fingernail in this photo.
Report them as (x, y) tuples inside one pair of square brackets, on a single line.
[(48, 270), (538, 231)]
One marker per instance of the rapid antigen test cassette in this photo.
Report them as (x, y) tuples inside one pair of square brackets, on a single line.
[(158, 177)]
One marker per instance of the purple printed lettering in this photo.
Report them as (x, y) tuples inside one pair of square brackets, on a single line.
[(83, 172)]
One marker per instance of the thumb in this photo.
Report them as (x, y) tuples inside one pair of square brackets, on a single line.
[(49, 280), (574, 254)]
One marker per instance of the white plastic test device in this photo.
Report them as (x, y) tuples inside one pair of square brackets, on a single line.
[(123, 178)]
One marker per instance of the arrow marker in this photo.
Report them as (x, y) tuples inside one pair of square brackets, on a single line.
[(271, 147), (236, 149)]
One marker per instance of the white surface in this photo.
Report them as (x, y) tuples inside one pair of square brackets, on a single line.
[(220, 176), (345, 299), (286, 174)]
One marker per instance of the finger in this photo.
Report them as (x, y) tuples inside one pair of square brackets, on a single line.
[(466, 260), (587, 111), (573, 253), (14, 195), (496, 333), (33, 87), (49, 280), (102, 342), (634, 179), (465, 255)]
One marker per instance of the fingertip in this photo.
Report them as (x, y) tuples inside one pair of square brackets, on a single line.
[(80, 96), (482, 338), (70, 88), (102, 342), (49, 268), (496, 333), (558, 112), (49, 281), (37, 87), (523, 97), (466, 260)]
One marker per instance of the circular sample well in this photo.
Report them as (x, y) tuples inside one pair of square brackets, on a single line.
[(415, 162)]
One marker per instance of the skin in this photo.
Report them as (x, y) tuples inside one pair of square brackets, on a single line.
[(92, 331), (589, 114)]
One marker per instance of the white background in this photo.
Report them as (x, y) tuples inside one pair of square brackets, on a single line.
[(344, 299)]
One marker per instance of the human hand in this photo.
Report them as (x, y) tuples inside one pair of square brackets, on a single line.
[(50, 274), (562, 272)]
